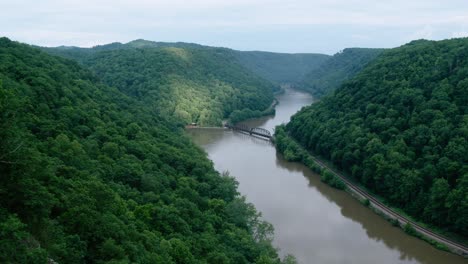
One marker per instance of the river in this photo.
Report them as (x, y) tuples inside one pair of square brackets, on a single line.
[(314, 222)]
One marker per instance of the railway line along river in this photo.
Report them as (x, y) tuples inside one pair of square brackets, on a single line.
[(314, 222)]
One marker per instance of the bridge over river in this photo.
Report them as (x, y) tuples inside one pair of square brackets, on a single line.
[(257, 131)]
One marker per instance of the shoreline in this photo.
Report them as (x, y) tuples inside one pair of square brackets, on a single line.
[(376, 205)]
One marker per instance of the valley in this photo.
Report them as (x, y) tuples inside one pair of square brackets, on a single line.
[(98, 165), (313, 221)]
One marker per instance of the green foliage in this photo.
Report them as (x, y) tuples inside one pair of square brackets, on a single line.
[(292, 151), (289, 259), (288, 147), (366, 202), (91, 175), (400, 127), (409, 229), (240, 115), (275, 67), (331, 179), (394, 222), (336, 70), (188, 82), (16, 245)]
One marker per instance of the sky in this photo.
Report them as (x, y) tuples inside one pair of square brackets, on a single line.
[(293, 26)]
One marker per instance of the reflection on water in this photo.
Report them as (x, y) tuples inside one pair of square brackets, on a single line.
[(316, 223)]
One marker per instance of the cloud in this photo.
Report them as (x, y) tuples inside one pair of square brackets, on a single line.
[(360, 37), (57, 38), (460, 34), (351, 22), (426, 32)]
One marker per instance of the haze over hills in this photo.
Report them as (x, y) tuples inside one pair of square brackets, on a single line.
[(334, 71), (400, 127), (283, 68)]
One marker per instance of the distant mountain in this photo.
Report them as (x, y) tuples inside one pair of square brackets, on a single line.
[(400, 127), (275, 67), (80, 54), (191, 82), (336, 70), (141, 43), (281, 67)]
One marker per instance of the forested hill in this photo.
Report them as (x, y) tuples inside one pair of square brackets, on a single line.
[(401, 128), (189, 82), (276, 67), (80, 54), (336, 70), (281, 67), (91, 175)]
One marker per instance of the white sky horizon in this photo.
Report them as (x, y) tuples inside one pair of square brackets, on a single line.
[(295, 26)]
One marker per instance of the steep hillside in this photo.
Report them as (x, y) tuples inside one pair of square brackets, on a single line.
[(90, 175), (81, 54), (401, 128), (336, 70), (280, 67), (275, 67), (194, 84)]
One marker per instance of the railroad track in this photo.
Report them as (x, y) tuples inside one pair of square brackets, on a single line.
[(460, 248)]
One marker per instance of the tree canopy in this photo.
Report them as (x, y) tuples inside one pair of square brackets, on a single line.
[(188, 82), (90, 174), (400, 127)]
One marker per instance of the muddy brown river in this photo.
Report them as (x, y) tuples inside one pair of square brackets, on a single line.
[(314, 222)]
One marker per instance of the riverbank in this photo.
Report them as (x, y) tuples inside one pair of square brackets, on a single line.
[(312, 221), (238, 116), (241, 115), (293, 151), (245, 114)]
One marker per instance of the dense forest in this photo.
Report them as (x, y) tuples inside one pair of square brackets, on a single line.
[(276, 67), (190, 82), (81, 54), (336, 70), (282, 68), (400, 127), (92, 175)]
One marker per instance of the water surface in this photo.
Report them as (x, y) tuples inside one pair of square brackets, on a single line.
[(314, 222)]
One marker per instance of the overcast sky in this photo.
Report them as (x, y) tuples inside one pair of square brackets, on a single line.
[(322, 26)]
